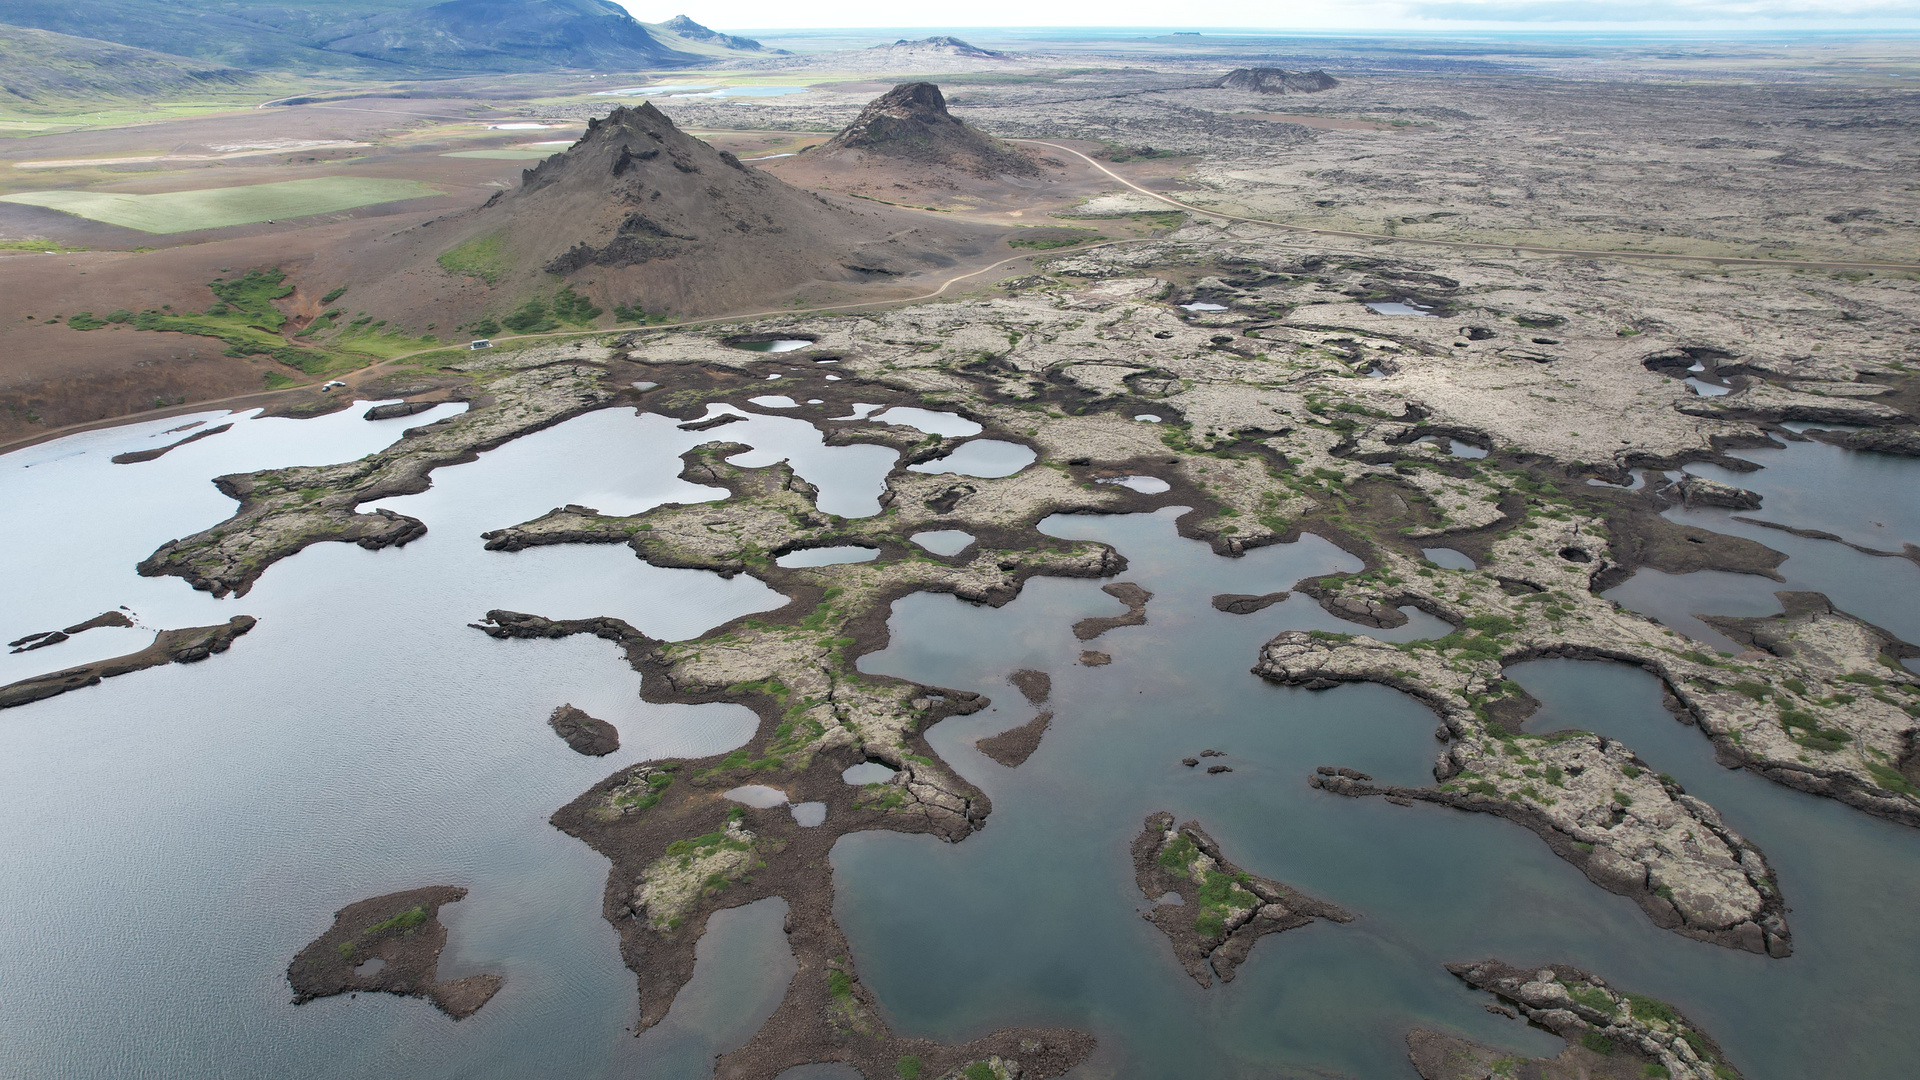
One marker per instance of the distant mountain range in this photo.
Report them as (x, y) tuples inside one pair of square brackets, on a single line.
[(385, 37), (38, 67)]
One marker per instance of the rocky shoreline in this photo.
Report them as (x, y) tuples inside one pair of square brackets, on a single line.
[(680, 853), (1610, 1034), (1265, 428), (390, 944), (1211, 910), (187, 646), (1631, 830), (282, 511)]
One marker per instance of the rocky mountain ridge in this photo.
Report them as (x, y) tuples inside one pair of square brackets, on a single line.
[(390, 37)]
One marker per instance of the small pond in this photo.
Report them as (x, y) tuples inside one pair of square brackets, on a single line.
[(981, 457), (933, 423), (944, 541), (1146, 485), (774, 345), (867, 772), (1454, 446), (633, 91), (1448, 558), (748, 92), (1396, 307), (828, 556)]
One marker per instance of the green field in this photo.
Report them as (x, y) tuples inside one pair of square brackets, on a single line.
[(216, 208)]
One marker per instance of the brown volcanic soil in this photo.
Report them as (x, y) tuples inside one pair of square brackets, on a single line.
[(1012, 748), (52, 376), (793, 243), (639, 212), (910, 122), (905, 147)]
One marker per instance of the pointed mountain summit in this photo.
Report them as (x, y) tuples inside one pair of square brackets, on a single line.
[(639, 212), (910, 122)]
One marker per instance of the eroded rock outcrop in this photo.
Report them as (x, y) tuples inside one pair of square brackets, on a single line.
[(44, 638), (1700, 491), (1014, 746), (1247, 603), (585, 734)]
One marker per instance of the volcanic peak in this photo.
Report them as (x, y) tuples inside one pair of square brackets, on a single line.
[(911, 122), (650, 216)]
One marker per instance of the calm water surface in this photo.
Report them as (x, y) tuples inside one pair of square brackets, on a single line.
[(173, 837), (1037, 917)]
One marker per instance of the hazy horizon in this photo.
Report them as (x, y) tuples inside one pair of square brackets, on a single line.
[(1684, 17)]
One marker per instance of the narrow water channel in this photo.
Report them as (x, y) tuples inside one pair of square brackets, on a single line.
[(172, 837), (1036, 919)]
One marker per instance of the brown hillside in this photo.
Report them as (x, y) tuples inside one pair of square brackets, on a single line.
[(911, 123), (640, 212)]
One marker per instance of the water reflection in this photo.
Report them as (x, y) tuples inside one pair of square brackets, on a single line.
[(1035, 920), (244, 791), (829, 556), (981, 457), (1395, 307), (933, 423), (778, 345), (944, 541), (1448, 558)]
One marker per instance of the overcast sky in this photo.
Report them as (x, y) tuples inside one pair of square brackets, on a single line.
[(1291, 14)]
